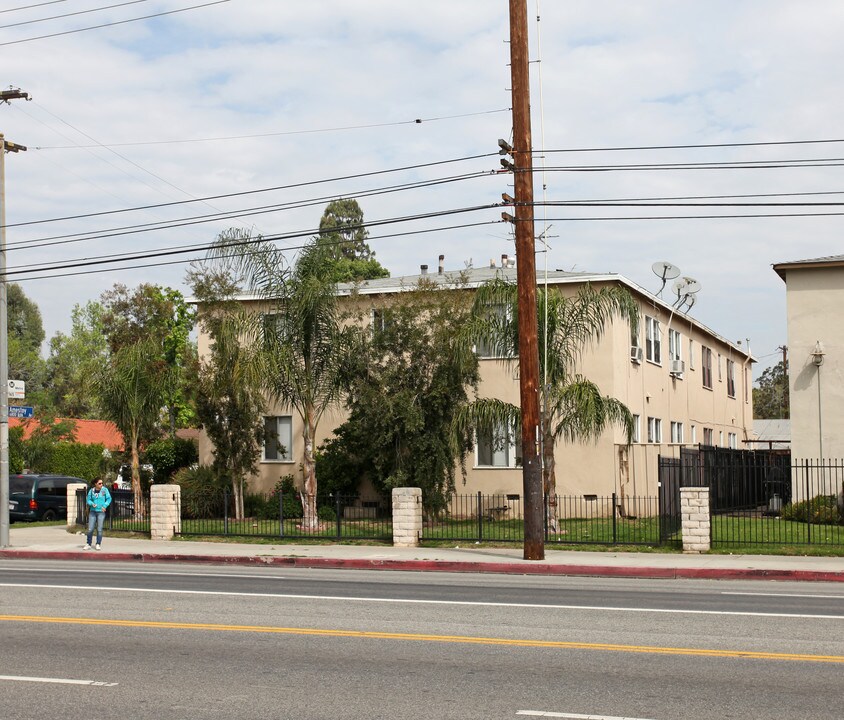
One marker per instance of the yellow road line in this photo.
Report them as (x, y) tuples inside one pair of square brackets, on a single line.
[(465, 639)]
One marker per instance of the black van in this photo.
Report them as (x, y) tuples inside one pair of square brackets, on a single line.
[(39, 497)]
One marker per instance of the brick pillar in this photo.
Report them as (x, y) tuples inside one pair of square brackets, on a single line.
[(694, 510), (407, 516), (71, 502), (165, 511)]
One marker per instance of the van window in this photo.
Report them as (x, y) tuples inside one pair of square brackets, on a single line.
[(21, 485), (48, 487)]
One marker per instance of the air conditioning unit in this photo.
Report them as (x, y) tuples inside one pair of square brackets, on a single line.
[(636, 354), (678, 367)]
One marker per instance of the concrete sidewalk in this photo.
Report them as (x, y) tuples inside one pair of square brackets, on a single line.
[(57, 543)]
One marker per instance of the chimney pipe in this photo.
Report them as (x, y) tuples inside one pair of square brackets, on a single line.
[(504, 260), (492, 262), (442, 261), (423, 269)]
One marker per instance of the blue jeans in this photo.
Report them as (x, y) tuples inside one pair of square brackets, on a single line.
[(96, 517)]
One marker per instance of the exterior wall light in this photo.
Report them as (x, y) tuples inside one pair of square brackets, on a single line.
[(818, 354)]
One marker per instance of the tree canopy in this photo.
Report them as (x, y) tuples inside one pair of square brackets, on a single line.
[(343, 239), (771, 396)]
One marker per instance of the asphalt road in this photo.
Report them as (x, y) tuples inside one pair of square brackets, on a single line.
[(130, 641)]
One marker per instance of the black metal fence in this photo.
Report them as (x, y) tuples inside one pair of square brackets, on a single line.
[(281, 515), (569, 520), (762, 497), (121, 514)]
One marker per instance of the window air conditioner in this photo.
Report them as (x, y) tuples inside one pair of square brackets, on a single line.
[(678, 367), (636, 354)]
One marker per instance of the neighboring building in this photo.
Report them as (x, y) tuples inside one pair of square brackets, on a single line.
[(771, 434), (685, 384), (87, 432), (814, 292)]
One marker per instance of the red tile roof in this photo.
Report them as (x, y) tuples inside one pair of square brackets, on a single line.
[(88, 432)]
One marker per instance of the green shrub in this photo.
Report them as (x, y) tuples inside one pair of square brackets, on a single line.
[(78, 460), (820, 510), (169, 455), (202, 492), (327, 514), (291, 504)]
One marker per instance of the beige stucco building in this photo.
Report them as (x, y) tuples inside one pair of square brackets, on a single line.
[(814, 291), (685, 384)]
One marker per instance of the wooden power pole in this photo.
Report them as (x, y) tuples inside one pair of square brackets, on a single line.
[(534, 548)]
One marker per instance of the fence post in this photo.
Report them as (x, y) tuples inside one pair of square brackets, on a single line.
[(694, 510), (165, 511), (407, 516), (74, 515), (480, 517), (225, 512), (280, 512), (808, 504), (337, 513), (614, 536), (545, 515)]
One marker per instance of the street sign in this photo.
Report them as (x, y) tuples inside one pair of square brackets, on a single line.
[(17, 389), (20, 411)]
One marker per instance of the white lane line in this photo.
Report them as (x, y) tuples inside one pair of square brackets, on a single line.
[(103, 571), (60, 681), (789, 595), (408, 601), (574, 716)]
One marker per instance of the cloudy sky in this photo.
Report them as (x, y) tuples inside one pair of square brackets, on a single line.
[(254, 113)]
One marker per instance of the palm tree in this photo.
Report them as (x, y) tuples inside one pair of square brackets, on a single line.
[(131, 390), (299, 338), (571, 406)]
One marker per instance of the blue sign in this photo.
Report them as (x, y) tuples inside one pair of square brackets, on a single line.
[(20, 411)]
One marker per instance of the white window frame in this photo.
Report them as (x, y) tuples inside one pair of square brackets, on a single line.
[(481, 349), (283, 437), (732, 441), (506, 456), (708, 436), (720, 377), (694, 434), (676, 432), (691, 354), (706, 366), (731, 378), (654, 430), (637, 428), (653, 340), (675, 344)]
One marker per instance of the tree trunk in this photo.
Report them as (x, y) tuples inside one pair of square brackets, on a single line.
[(549, 478), (136, 475), (310, 519)]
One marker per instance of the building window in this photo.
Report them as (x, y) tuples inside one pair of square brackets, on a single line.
[(637, 421), (635, 348), (380, 319), (732, 440), (744, 376), (694, 434), (654, 430), (499, 318), (675, 349), (691, 354), (653, 340), (676, 432), (706, 366), (731, 378), (707, 436), (278, 438), (720, 438), (720, 379), (501, 448)]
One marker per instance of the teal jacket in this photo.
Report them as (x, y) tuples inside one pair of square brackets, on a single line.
[(98, 501)]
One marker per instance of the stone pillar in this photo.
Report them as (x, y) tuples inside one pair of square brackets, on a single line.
[(694, 510), (165, 511), (71, 502), (407, 516)]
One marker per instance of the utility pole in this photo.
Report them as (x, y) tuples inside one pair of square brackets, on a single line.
[(5, 146), (534, 548)]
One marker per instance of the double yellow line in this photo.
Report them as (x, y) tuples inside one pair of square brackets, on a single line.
[(462, 639)]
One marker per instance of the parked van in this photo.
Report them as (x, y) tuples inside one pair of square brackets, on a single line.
[(39, 497)]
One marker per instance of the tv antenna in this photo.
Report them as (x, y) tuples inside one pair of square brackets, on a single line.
[(685, 289), (665, 271)]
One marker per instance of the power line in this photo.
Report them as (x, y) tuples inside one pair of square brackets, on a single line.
[(242, 193), (246, 212), (28, 7), (78, 12), (700, 217), (730, 165), (111, 24), (208, 247), (369, 126), (694, 147)]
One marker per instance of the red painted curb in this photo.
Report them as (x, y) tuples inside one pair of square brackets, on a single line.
[(442, 566)]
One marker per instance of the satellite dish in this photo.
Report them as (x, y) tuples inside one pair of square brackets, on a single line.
[(665, 271), (692, 285)]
